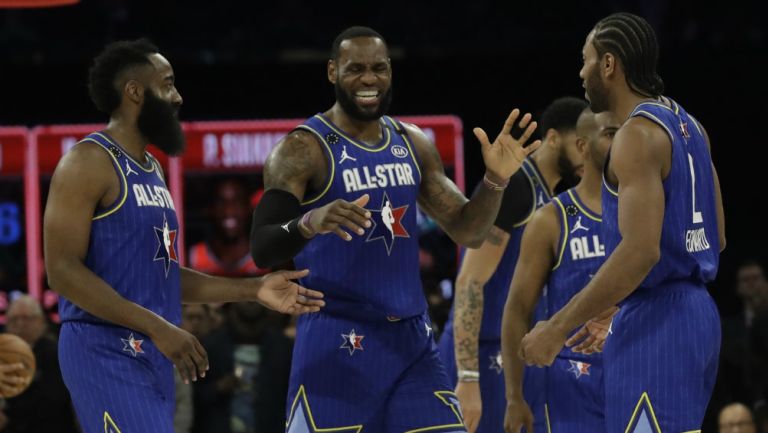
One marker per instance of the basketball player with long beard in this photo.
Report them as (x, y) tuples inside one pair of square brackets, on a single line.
[(110, 233)]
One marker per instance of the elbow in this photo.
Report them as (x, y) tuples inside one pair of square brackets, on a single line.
[(56, 277), (470, 240), (722, 243), (648, 255)]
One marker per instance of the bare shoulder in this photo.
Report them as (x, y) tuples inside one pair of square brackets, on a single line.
[(641, 140), (293, 162), (545, 221), (542, 231), (424, 147), (87, 165)]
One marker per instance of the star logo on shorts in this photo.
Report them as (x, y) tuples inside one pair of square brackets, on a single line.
[(352, 342), (132, 345), (388, 223), (497, 363), (579, 368)]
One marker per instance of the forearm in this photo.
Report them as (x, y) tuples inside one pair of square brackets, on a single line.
[(86, 290), (200, 288), (514, 325), (272, 245), (477, 216), (468, 315), (275, 235), (619, 276)]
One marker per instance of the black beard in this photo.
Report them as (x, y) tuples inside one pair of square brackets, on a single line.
[(597, 93), (567, 171), (158, 122), (347, 102)]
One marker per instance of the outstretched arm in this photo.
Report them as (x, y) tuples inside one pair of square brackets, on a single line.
[(468, 221), (640, 160), (275, 290)]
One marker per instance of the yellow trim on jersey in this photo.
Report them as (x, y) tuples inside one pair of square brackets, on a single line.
[(109, 422), (652, 414), (674, 104), (407, 143), (546, 416), (696, 124), (657, 120), (609, 187), (566, 232), (583, 209), (332, 162), (460, 424), (303, 394), (384, 129), (543, 184), (122, 178), (533, 206), (138, 164)]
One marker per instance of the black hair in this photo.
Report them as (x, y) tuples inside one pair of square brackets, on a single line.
[(107, 67), (350, 33), (562, 115), (632, 39)]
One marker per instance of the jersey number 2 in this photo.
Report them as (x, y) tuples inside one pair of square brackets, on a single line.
[(696, 214)]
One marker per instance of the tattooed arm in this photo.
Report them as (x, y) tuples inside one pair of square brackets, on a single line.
[(476, 269), (467, 221), (296, 163)]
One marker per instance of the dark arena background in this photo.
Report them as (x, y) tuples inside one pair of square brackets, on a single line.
[(250, 71)]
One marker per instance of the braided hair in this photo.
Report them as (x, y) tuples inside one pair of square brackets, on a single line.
[(632, 39)]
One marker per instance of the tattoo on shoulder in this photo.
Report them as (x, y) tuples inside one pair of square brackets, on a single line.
[(293, 158)]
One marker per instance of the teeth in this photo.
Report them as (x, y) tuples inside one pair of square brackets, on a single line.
[(367, 93)]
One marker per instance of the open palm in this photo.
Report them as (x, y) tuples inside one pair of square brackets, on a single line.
[(279, 293), (506, 154)]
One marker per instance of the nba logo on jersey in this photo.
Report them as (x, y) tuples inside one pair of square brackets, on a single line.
[(388, 225), (166, 248)]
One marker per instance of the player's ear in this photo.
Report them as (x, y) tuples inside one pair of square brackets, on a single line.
[(134, 91), (332, 71), (553, 138), (581, 146), (608, 65)]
